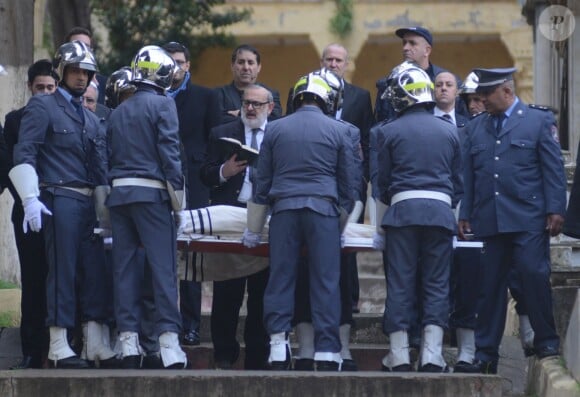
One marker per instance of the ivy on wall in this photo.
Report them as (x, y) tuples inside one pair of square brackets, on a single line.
[(341, 22)]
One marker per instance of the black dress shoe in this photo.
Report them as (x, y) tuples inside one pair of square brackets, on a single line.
[(433, 368), (464, 367), (190, 338), (479, 366), (547, 351), (529, 351), (304, 364), (397, 368), (152, 361), (132, 362), (327, 366), (110, 363), (25, 363), (280, 365), (224, 364), (73, 362), (348, 365)]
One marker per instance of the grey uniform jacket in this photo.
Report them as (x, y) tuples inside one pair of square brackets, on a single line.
[(143, 142), (53, 139), (419, 152), (306, 161)]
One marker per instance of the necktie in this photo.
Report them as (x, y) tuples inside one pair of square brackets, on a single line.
[(500, 118), (76, 101), (447, 117), (254, 145)]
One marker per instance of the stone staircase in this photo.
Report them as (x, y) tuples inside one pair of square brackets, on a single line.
[(368, 346)]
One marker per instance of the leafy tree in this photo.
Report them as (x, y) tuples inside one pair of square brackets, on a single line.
[(135, 23)]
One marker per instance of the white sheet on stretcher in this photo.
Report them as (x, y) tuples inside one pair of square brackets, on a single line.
[(223, 223)]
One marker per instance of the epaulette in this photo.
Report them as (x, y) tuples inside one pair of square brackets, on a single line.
[(476, 115), (540, 107)]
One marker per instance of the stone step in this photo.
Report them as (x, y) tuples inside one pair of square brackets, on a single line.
[(367, 356), (372, 294), (210, 383), (370, 263)]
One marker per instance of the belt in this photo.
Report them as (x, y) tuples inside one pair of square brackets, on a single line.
[(144, 182), (425, 194), (85, 191)]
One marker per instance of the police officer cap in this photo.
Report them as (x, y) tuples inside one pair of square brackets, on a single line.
[(491, 78), (418, 30)]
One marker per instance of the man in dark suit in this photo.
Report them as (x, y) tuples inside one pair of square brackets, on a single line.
[(357, 110), (33, 266), (231, 184), (515, 200), (446, 88), (246, 66), (196, 109)]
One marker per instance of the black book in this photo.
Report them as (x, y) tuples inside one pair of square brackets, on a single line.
[(229, 146)]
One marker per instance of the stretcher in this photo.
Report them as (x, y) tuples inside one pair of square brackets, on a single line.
[(216, 233)]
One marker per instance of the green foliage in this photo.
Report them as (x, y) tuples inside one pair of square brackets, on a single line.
[(133, 24), (341, 22), (9, 319), (7, 285)]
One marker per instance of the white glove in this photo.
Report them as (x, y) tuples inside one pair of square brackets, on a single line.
[(356, 211), (33, 210), (179, 222), (251, 239), (105, 232), (108, 243), (379, 241)]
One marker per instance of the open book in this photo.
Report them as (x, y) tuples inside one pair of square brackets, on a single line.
[(229, 146)]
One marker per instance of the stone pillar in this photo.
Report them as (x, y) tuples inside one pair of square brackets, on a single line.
[(519, 44), (574, 83), (545, 72)]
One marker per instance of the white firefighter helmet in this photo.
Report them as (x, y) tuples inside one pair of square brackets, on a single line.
[(75, 53), (118, 83), (153, 66), (409, 85)]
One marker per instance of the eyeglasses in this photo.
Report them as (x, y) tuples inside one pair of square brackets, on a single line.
[(255, 105)]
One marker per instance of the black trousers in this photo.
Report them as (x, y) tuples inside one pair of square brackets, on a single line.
[(33, 270), (190, 297), (228, 296)]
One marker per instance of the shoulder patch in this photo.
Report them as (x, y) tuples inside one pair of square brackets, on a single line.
[(540, 107), (554, 133)]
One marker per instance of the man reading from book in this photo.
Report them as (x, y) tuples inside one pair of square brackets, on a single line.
[(231, 184)]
